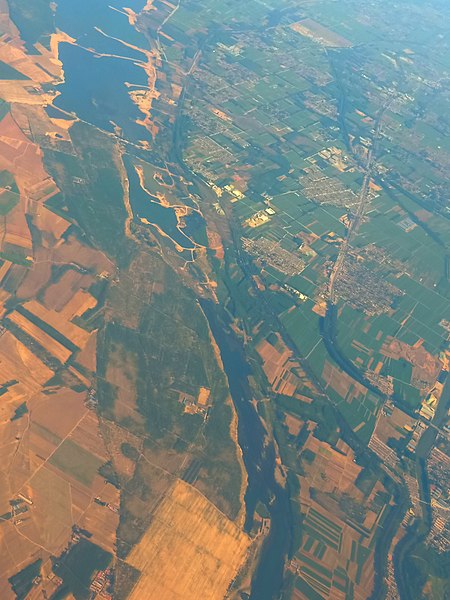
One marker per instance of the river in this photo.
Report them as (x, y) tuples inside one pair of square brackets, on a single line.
[(259, 459)]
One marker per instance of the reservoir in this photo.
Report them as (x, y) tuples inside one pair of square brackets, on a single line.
[(144, 206), (102, 68), (80, 20), (95, 90)]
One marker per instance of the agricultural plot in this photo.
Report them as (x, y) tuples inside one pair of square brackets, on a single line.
[(335, 558), (190, 549), (267, 133), (51, 451)]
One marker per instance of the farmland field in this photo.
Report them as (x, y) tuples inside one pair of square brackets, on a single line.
[(190, 549), (224, 299)]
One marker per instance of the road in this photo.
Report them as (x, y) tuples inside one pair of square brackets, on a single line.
[(361, 210)]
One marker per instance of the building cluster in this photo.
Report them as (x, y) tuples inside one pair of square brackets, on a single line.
[(272, 254), (295, 292), (199, 405), (91, 401), (407, 224), (210, 150), (382, 450), (391, 584), (414, 496), (101, 585), (418, 430), (259, 218), (112, 507), (336, 158), (428, 406), (364, 288), (323, 189), (384, 383), (445, 325), (438, 470), (321, 105), (234, 192), (19, 506)]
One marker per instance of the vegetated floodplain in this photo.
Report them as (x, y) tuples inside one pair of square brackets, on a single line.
[(22, 582)]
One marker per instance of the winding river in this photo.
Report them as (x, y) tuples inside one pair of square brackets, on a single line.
[(259, 459)]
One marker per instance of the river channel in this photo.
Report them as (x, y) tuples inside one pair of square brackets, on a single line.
[(259, 459)]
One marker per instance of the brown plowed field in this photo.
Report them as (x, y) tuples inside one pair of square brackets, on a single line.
[(72, 332), (190, 551), (51, 345)]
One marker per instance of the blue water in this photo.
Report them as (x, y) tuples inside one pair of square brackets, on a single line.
[(95, 90), (94, 87), (259, 459), (144, 206), (79, 19)]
